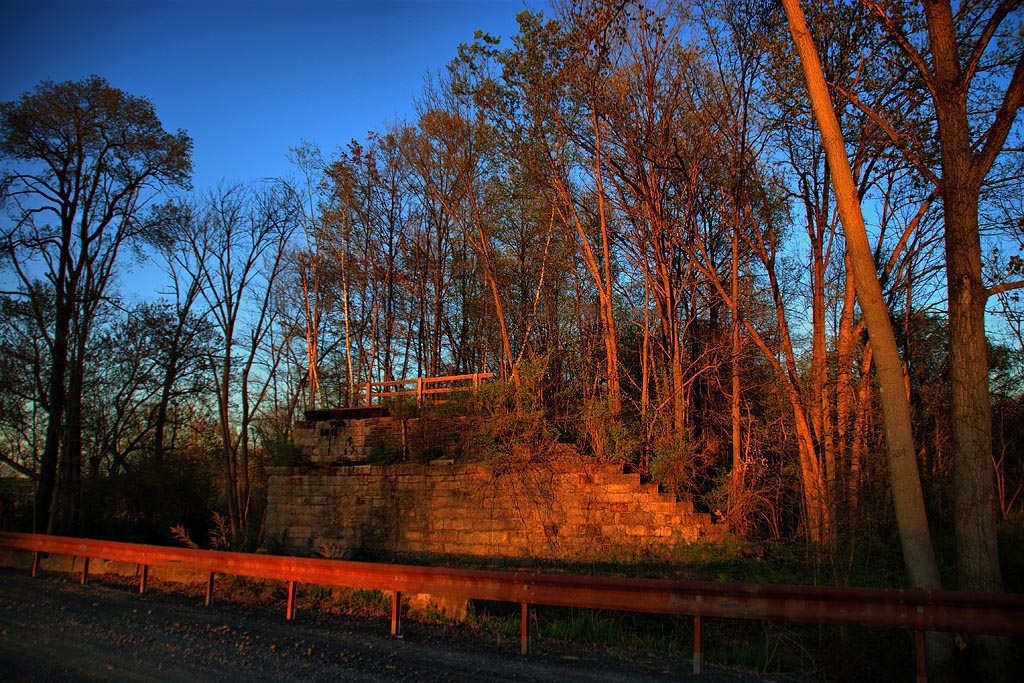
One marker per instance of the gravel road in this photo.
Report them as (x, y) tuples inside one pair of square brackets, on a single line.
[(53, 629)]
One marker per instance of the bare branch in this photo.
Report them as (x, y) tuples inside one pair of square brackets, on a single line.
[(894, 135), (896, 33), (997, 133), (1003, 287), (1000, 13)]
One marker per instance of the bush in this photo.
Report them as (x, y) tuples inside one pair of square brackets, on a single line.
[(142, 505)]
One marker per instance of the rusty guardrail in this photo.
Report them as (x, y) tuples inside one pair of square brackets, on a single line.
[(916, 609)]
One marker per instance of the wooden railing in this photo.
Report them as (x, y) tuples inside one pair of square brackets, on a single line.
[(423, 387), (915, 609)]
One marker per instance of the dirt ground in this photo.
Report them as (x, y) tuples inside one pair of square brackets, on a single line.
[(53, 629)]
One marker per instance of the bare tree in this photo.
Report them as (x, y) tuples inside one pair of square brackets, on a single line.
[(239, 240), (81, 159)]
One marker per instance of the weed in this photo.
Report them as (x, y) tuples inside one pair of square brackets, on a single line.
[(281, 451), (329, 551), (180, 534), (646, 633), (220, 532), (318, 593)]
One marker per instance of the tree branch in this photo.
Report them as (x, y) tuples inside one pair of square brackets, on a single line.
[(1000, 13), (18, 467), (1003, 287), (887, 128), (997, 133), (894, 32)]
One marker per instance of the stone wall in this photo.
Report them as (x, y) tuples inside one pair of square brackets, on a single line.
[(568, 509), (381, 438)]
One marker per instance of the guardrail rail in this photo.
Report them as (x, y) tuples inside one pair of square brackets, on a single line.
[(916, 609)]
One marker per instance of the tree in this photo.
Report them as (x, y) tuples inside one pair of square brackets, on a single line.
[(312, 262), (957, 56), (461, 138), (239, 239), (915, 537), (81, 158), (183, 335), (544, 105), (23, 362), (968, 62)]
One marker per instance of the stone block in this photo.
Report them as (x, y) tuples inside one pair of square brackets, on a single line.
[(461, 523), (482, 538), (620, 487)]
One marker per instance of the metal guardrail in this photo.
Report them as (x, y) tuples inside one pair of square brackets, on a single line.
[(916, 609)]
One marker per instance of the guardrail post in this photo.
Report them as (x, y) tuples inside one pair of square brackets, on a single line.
[(922, 670), (85, 570), (143, 575), (396, 613), (419, 390), (290, 613), (209, 589), (35, 564), (524, 634), (698, 637)]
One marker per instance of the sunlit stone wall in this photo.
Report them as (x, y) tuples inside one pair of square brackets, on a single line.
[(568, 509)]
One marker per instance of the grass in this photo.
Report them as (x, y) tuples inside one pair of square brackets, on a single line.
[(804, 651)]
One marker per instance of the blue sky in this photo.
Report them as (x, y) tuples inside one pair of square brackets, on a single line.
[(249, 78)]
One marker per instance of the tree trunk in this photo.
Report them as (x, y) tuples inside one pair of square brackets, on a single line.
[(915, 537), (163, 406), (962, 175), (607, 307), (978, 562), (974, 512), (845, 394), (56, 400), (71, 464), (736, 492), (975, 508)]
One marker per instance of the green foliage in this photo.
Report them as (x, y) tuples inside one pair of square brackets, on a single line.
[(675, 463), (430, 453), (281, 451), (383, 454), (647, 633), (318, 593), (609, 436), (403, 407), (360, 600), (513, 422)]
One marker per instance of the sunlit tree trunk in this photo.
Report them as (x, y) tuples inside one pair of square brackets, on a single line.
[(915, 537), (611, 343), (962, 176), (736, 492), (846, 341)]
